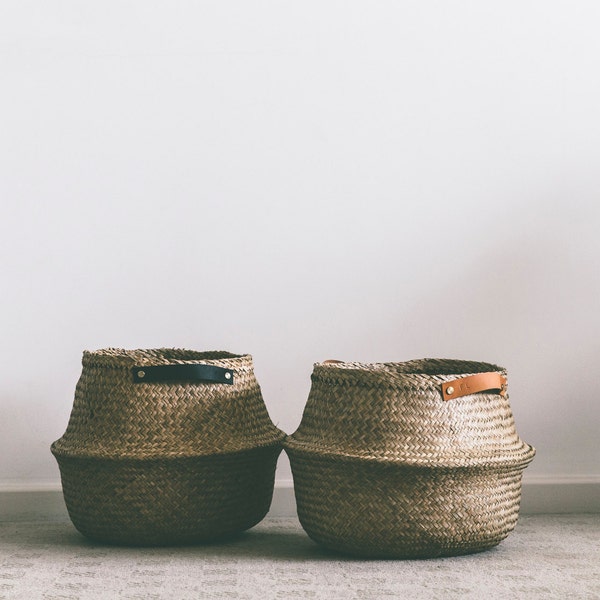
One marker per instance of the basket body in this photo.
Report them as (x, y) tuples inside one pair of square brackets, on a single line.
[(170, 461), (385, 467)]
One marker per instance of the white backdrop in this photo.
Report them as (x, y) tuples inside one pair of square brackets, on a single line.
[(301, 181)]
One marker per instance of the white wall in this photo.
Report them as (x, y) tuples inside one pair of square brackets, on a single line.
[(301, 181)]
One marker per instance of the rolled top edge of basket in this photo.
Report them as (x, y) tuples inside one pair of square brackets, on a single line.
[(434, 370), (123, 358), (422, 366), (101, 450), (515, 458)]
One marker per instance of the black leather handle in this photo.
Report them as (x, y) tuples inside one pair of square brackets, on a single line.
[(172, 373)]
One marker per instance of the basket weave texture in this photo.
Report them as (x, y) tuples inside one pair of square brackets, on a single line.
[(384, 467), (166, 462)]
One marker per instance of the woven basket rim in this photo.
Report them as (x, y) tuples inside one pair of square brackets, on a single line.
[(162, 453), (423, 373), (122, 357), (519, 458), (438, 369)]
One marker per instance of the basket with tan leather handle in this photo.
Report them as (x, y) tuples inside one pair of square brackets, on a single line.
[(167, 446), (414, 459)]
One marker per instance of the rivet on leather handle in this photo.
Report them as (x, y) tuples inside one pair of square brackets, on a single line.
[(182, 373), (481, 382)]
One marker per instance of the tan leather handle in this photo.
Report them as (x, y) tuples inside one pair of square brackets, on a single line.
[(332, 361), (472, 384)]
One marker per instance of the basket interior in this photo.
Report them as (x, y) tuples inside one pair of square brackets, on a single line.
[(424, 366)]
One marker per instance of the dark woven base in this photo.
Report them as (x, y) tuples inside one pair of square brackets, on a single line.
[(168, 501), (381, 510)]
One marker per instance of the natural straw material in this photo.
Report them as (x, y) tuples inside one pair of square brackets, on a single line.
[(166, 462), (384, 467)]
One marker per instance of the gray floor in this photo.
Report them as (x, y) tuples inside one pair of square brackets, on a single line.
[(545, 557)]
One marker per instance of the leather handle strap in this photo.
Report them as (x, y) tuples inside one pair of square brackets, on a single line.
[(174, 373), (482, 382)]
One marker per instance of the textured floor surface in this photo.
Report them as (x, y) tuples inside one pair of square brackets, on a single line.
[(545, 557)]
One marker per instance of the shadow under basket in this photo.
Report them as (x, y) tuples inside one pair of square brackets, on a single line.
[(167, 446), (408, 460)]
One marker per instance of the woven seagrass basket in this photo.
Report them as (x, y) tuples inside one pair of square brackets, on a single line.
[(414, 459), (167, 446)]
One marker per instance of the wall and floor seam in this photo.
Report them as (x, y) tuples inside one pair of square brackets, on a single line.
[(30, 501)]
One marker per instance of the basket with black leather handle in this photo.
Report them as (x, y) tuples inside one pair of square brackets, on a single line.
[(167, 446), (414, 459)]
